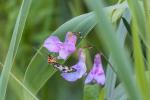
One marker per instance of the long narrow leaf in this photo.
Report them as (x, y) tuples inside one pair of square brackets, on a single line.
[(120, 57), (110, 74), (19, 86), (139, 64), (139, 18), (16, 37), (119, 93)]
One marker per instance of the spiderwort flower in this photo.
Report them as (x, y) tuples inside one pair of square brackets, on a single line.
[(53, 44), (97, 73), (80, 68)]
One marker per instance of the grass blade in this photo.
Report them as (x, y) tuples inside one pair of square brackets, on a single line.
[(122, 62), (110, 74), (20, 88), (139, 18), (139, 64), (16, 84), (16, 37), (119, 93)]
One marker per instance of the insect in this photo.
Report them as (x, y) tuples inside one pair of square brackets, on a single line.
[(60, 67), (78, 34)]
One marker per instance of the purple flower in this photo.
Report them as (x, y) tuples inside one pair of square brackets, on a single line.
[(53, 44), (80, 68), (97, 73)]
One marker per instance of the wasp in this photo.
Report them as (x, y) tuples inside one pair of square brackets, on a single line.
[(60, 67)]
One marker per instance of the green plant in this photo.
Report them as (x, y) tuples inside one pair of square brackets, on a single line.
[(120, 32)]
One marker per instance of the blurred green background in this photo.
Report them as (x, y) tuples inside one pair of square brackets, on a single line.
[(44, 17)]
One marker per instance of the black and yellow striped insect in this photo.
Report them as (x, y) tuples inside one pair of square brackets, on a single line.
[(60, 67)]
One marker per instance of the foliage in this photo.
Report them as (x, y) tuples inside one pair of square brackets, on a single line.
[(117, 29)]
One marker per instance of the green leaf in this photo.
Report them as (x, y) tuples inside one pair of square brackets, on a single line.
[(91, 92), (118, 11), (119, 93), (110, 81), (120, 57), (102, 94), (139, 18), (38, 71), (110, 74), (139, 63), (147, 76), (16, 37), (18, 87)]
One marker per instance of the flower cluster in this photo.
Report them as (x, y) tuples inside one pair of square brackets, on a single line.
[(66, 48), (53, 44)]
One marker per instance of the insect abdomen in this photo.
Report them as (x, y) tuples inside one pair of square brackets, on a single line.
[(64, 69)]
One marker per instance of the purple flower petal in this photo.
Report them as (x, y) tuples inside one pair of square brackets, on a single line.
[(80, 69), (68, 46), (89, 78), (66, 50), (70, 38), (53, 44), (97, 72)]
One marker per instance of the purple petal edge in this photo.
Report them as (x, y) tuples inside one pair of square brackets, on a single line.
[(80, 69), (97, 73)]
